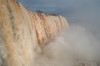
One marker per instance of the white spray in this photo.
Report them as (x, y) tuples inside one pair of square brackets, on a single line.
[(74, 46)]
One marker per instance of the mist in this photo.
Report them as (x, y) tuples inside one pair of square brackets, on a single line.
[(73, 46)]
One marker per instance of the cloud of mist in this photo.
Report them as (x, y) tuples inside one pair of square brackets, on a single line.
[(74, 46)]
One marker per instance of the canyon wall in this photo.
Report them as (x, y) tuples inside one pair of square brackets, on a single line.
[(22, 31)]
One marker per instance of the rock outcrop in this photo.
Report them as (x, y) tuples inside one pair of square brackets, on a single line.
[(21, 31)]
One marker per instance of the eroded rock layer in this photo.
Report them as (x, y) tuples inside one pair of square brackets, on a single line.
[(21, 31)]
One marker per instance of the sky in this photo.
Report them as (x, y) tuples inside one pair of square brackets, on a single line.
[(83, 12)]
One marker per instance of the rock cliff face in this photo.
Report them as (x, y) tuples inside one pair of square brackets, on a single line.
[(22, 31)]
